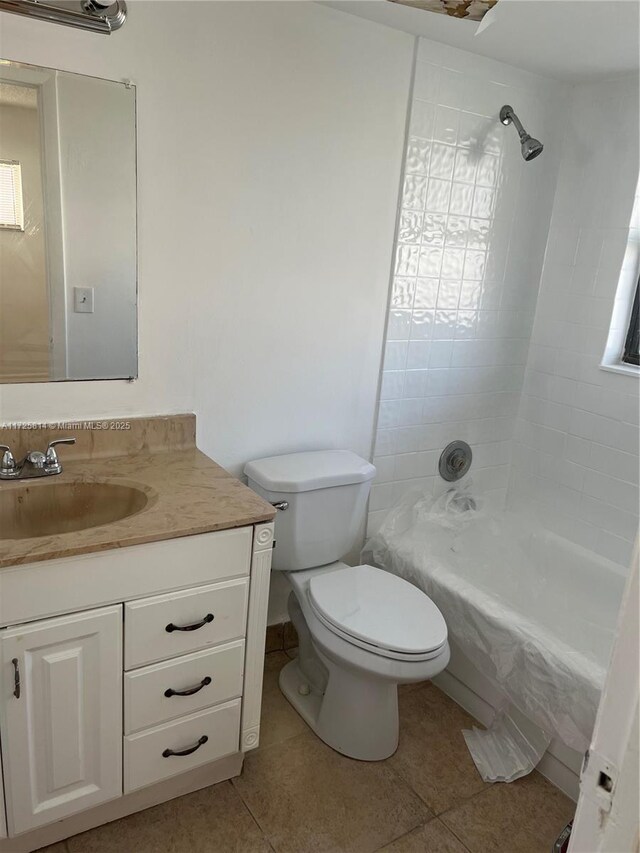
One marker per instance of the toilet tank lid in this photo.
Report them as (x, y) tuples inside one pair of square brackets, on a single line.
[(303, 472)]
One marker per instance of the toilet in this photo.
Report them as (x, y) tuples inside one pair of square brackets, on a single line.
[(362, 631)]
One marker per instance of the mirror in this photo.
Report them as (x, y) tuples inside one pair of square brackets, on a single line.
[(67, 226)]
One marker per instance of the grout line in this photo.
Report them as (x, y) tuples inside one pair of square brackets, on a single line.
[(251, 814), (405, 834), (466, 800), (403, 782), (455, 835), (461, 802), (434, 819), (260, 750), (279, 743)]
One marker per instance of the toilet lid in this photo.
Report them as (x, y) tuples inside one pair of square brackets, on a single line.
[(379, 609)]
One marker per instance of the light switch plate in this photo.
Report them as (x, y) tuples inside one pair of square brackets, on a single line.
[(83, 300)]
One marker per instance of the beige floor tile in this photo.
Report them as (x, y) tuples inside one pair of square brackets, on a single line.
[(309, 799), (525, 816), (274, 640), (213, 820), (409, 688), (432, 756), (279, 721), (433, 837)]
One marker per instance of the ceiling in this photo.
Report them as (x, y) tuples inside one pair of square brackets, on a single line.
[(565, 39)]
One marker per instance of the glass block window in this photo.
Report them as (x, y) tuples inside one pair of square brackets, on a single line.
[(11, 206)]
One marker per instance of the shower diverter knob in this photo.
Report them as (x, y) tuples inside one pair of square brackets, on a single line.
[(455, 461)]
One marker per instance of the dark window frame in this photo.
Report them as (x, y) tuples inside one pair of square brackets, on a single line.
[(632, 341)]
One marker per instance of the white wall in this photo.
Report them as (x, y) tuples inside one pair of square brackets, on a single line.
[(299, 215), (277, 129), (470, 245), (576, 456), (262, 301)]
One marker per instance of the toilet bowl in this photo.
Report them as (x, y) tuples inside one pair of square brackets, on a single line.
[(361, 630), (345, 686)]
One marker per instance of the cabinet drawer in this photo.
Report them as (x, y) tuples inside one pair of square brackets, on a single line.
[(166, 626), (202, 737), (211, 676)]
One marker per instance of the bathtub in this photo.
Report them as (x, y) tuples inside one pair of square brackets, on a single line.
[(531, 616)]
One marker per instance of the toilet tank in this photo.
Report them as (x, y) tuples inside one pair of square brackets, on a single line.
[(326, 492)]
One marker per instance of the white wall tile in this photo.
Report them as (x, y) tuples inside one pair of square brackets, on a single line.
[(484, 356), (458, 329), (426, 81), (590, 481), (623, 466), (618, 493)]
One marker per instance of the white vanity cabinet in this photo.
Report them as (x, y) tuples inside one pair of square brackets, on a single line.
[(128, 677), (61, 716)]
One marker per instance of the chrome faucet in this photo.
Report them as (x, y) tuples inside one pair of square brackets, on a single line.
[(34, 464), (460, 501)]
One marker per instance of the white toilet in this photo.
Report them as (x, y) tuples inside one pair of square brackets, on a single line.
[(361, 630)]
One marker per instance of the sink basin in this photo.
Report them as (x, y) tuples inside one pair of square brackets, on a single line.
[(50, 508)]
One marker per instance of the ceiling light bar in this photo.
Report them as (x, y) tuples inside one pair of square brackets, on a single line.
[(97, 17)]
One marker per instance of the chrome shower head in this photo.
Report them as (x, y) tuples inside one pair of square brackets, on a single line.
[(529, 146)]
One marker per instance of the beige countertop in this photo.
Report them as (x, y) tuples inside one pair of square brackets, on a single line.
[(187, 493)]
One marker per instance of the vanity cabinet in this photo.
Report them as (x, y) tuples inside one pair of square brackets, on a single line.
[(61, 727), (149, 689)]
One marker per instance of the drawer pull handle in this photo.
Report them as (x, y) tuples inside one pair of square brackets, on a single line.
[(171, 627), (169, 752), (16, 677), (190, 691)]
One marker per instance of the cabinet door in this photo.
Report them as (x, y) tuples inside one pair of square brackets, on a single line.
[(62, 716)]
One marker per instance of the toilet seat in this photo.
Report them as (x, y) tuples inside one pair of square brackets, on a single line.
[(378, 611)]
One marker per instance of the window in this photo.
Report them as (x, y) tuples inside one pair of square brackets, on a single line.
[(621, 350), (631, 354), (11, 207)]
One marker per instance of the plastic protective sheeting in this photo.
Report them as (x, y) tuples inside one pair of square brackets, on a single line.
[(533, 612), (506, 750)]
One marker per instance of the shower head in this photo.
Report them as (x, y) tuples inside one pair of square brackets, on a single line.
[(529, 146)]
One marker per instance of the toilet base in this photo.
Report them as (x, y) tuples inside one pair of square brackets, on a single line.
[(357, 716)]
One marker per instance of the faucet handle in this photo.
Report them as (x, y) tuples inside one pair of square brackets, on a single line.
[(52, 463), (60, 441), (8, 462)]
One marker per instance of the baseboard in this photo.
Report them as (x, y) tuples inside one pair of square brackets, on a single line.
[(186, 783)]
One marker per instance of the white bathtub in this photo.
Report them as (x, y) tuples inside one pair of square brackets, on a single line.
[(531, 616)]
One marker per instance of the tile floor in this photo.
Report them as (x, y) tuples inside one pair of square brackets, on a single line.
[(296, 795)]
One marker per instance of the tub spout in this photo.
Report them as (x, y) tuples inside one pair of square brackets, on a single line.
[(461, 502)]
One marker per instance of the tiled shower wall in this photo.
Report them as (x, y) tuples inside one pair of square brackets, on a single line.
[(470, 243), (575, 460)]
